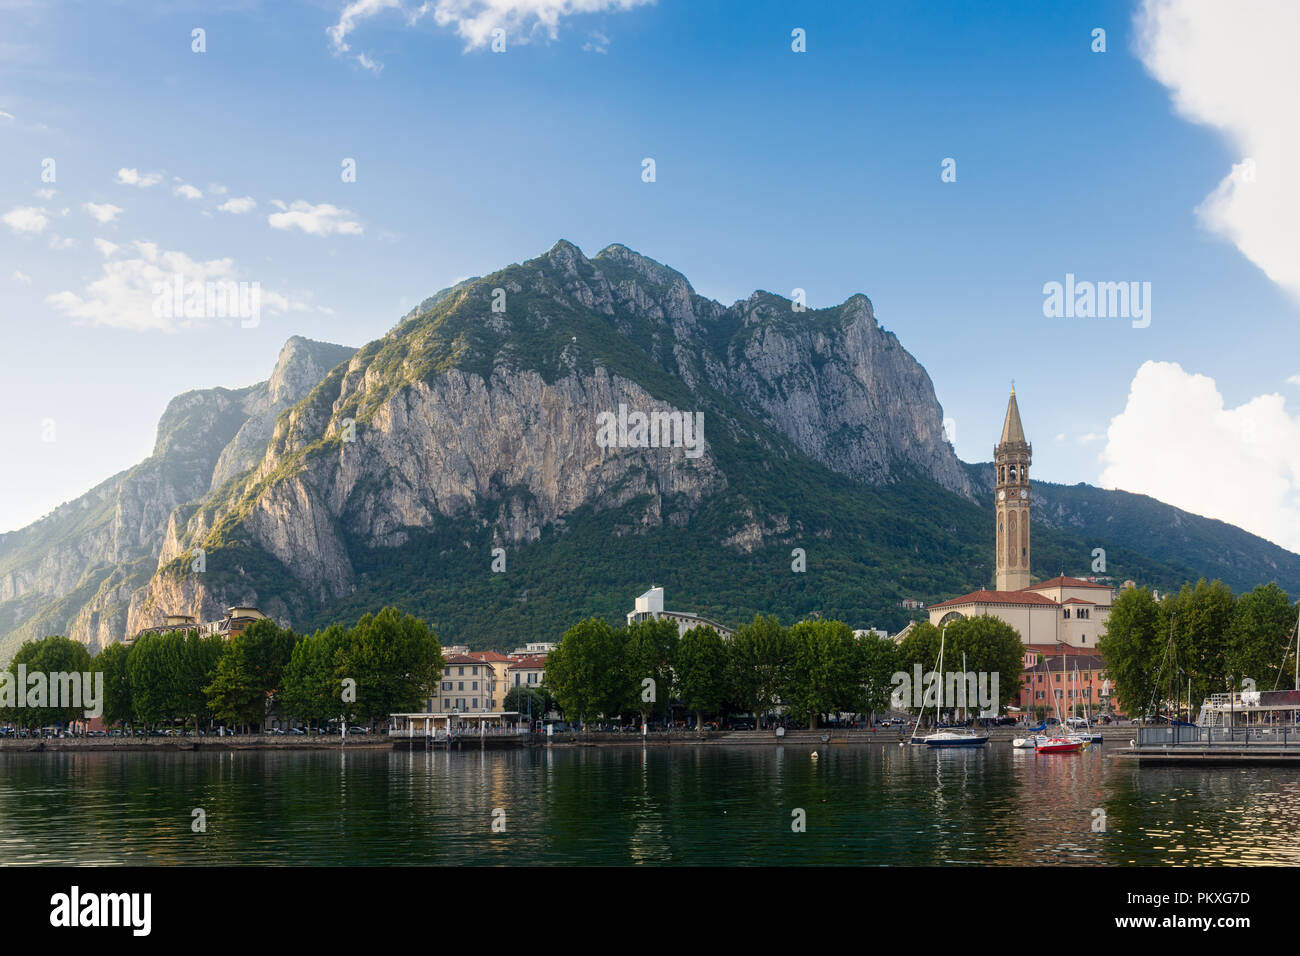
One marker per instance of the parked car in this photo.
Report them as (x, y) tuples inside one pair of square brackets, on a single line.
[(358, 730), (298, 732)]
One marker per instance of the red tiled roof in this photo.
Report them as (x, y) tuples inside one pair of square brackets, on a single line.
[(490, 656), (1078, 601), (997, 597), (461, 659), (1052, 650), (1061, 581), (528, 663)]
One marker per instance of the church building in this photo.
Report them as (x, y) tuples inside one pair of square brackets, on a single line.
[(1060, 618)]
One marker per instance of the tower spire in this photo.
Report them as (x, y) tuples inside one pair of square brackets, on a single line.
[(1011, 460)]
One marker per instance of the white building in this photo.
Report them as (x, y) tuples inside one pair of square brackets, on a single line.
[(650, 607)]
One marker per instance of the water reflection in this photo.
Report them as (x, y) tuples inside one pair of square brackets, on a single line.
[(874, 805)]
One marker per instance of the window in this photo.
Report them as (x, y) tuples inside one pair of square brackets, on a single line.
[(1066, 613), (1083, 638), (475, 703), (475, 687), (446, 685), (462, 685), (446, 672), (516, 680), (460, 672)]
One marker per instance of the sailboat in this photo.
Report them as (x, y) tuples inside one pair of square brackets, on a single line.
[(951, 737), (1087, 736)]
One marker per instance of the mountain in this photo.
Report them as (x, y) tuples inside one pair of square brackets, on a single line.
[(74, 571), (475, 424)]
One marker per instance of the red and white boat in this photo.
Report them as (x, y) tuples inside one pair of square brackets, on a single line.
[(1058, 745)]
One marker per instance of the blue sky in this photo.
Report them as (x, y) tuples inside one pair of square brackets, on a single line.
[(775, 170)]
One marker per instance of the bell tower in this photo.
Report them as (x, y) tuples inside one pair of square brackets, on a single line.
[(1011, 457)]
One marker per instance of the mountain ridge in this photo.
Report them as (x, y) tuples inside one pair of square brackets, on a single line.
[(393, 474)]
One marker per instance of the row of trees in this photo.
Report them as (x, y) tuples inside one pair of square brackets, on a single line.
[(385, 663), (812, 669), (1203, 635)]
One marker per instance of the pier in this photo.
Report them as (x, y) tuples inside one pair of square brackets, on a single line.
[(1213, 745)]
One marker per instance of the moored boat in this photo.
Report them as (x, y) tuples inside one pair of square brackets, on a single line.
[(1058, 745), (955, 738)]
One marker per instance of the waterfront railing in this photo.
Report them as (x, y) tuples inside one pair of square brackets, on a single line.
[(1280, 736)]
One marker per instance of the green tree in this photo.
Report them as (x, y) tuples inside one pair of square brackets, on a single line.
[(585, 671), (649, 648), (44, 659), (702, 672), (1261, 639), (152, 671), (394, 659), (990, 646), (824, 675), (878, 661), (112, 663), (919, 647), (1131, 646), (1201, 618), (528, 700), (237, 694), (758, 657), (312, 688)]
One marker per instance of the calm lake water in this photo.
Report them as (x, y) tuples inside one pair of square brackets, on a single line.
[(868, 805)]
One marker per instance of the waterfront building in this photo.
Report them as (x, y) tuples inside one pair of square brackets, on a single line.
[(526, 672), (235, 621), (468, 686), (1066, 683), (534, 649), (1062, 611), (650, 607)]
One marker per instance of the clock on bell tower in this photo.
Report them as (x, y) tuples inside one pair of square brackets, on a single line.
[(1011, 459)]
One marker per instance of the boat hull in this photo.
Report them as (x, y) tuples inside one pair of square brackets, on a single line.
[(948, 742), (1059, 747)]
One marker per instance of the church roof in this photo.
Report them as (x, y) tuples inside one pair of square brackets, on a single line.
[(1061, 581), (997, 597), (1012, 430)]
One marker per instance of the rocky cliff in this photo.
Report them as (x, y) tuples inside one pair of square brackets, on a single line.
[(74, 571)]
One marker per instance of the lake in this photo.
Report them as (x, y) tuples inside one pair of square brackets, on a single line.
[(866, 805)]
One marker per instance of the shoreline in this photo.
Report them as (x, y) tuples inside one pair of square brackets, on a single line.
[(759, 738)]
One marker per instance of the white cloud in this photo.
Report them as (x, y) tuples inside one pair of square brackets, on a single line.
[(1233, 66), (1089, 437), (369, 64), (475, 20), (132, 177), (46, 193), (217, 189), (1176, 441), (25, 219), (357, 10), (1293, 380), (188, 191), (106, 212), (123, 296), (58, 242), (106, 248), (21, 277), (4, 115), (241, 205), (321, 220), (599, 43)]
